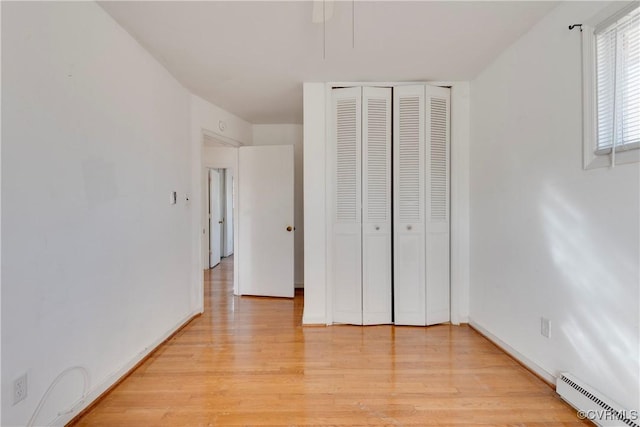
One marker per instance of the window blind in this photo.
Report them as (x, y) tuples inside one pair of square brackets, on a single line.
[(618, 83)]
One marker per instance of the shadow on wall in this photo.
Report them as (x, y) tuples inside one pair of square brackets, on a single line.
[(600, 325)]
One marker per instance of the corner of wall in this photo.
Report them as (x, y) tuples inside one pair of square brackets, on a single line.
[(460, 145), (314, 127)]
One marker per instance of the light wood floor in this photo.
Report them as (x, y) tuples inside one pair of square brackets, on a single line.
[(248, 361)]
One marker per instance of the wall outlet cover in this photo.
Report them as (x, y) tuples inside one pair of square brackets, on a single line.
[(20, 388), (545, 327)]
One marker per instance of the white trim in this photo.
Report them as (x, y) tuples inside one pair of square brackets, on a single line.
[(459, 199), (313, 321), (314, 152), (622, 158), (619, 148), (332, 85), (204, 166), (543, 373), (459, 203), (612, 19), (219, 139), (588, 98), (328, 191), (95, 392)]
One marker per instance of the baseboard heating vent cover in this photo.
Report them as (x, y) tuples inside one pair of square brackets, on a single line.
[(593, 405)]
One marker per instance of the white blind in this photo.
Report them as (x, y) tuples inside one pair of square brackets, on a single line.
[(618, 83)]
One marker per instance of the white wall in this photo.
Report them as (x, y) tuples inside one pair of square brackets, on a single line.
[(314, 129), (95, 262), (206, 118), (314, 126), (460, 124), (285, 134), (547, 237)]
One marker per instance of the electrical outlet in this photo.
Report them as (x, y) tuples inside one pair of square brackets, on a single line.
[(20, 388), (545, 327)]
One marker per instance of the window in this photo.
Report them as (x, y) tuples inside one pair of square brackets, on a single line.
[(611, 52)]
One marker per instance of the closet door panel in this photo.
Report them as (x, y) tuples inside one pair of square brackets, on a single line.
[(347, 302), (437, 123), (376, 280), (376, 205), (346, 227), (409, 289), (437, 268), (409, 205)]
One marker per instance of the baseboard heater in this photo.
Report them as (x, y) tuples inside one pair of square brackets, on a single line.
[(593, 405)]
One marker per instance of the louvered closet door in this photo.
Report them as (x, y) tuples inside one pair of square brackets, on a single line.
[(437, 198), (376, 205), (346, 250), (409, 193)]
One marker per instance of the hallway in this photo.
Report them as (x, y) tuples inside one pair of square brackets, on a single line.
[(248, 361)]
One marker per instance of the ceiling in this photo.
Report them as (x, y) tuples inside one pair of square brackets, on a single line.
[(251, 58)]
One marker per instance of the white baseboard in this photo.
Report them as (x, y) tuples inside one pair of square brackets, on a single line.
[(96, 391), (537, 369), (314, 320)]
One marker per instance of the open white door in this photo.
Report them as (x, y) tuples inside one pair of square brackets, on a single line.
[(215, 227), (265, 205)]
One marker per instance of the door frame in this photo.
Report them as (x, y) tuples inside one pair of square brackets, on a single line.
[(221, 194), (458, 202), (214, 140), (228, 213)]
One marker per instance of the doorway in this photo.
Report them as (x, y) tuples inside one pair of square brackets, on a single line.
[(220, 215), (259, 254)]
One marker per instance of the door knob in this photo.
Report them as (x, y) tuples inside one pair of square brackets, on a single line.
[(289, 228), (220, 222)]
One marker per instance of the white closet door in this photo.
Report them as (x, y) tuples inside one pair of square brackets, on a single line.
[(376, 205), (409, 207), (346, 251), (437, 198)]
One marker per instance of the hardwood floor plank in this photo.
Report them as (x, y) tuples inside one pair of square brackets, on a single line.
[(248, 361)]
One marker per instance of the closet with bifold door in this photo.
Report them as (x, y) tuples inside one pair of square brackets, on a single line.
[(361, 226), (388, 197)]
